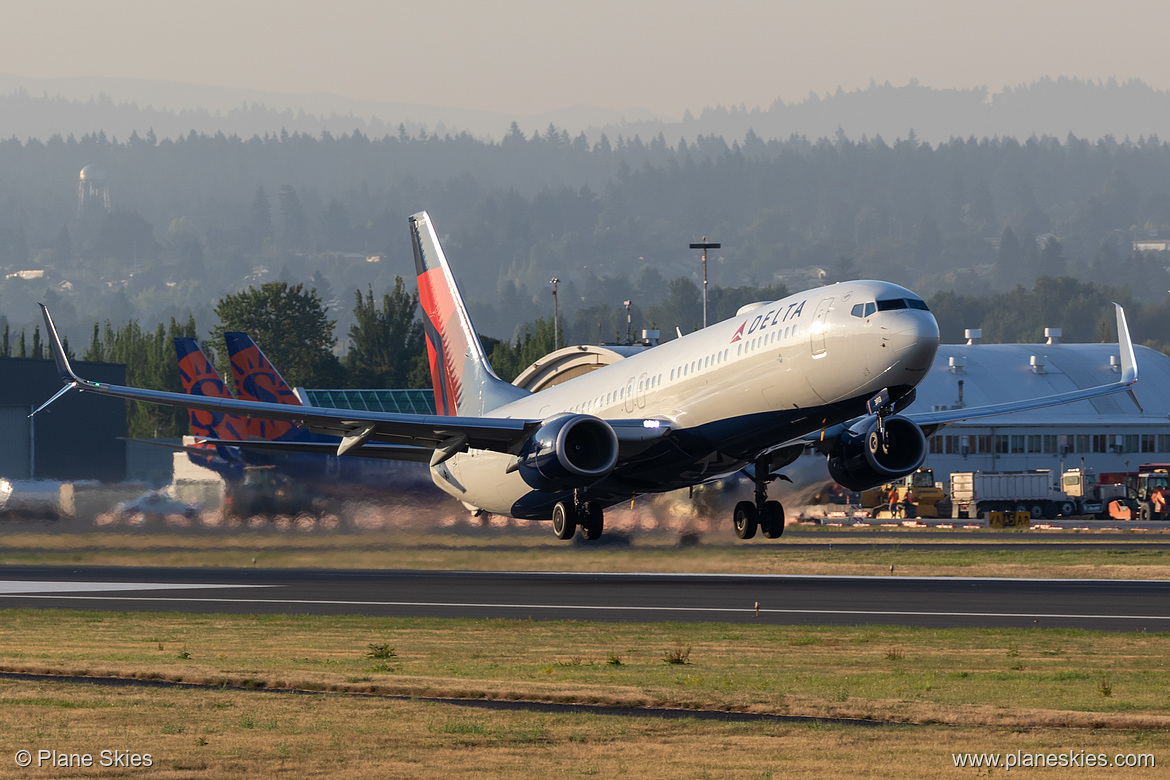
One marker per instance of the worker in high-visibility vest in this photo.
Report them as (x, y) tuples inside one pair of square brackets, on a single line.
[(1158, 501)]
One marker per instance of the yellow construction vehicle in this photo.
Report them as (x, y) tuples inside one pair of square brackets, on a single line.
[(915, 495)]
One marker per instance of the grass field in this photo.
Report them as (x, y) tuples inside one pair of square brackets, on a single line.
[(212, 734), (1011, 677), (951, 691), (822, 552), (959, 690)]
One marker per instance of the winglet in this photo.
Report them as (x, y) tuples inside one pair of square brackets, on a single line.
[(1129, 372), (71, 380), (63, 367)]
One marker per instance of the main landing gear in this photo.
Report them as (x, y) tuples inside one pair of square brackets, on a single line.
[(766, 515), (567, 515)]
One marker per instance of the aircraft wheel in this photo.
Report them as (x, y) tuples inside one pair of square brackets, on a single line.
[(593, 523), (746, 519), (772, 520), (564, 520)]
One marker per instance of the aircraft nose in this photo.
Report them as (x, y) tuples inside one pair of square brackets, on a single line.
[(915, 340)]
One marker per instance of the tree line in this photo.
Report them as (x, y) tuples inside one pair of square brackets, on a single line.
[(202, 216)]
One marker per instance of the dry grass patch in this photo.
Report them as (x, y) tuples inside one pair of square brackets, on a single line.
[(958, 676), (211, 734)]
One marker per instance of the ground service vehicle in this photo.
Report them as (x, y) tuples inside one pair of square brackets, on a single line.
[(976, 493), (1150, 490), (915, 495), (1087, 495)]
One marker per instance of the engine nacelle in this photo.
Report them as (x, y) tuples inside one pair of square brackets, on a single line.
[(860, 462), (569, 451)]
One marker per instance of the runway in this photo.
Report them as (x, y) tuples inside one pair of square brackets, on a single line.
[(1113, 605)]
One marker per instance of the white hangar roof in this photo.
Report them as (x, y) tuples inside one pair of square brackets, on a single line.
[(995, 373)]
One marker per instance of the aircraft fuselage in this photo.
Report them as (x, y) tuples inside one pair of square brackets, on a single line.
[(730, 392)]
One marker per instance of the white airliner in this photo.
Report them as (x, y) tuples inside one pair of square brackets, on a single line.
[(829, 367)]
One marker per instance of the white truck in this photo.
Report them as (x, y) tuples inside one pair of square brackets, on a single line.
[(976, 493)]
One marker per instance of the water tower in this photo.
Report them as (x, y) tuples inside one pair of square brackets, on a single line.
[(93, 190)]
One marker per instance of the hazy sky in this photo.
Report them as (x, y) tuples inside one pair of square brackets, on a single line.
[(529, 56)]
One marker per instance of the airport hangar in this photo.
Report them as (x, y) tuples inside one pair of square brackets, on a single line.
[(1108, 434), (81, 437)]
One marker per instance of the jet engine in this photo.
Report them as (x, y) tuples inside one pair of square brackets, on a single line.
[(569, 451), (861, 459)]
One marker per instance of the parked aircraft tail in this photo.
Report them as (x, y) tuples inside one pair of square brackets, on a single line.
[(200, 378), (258, 380), (463, 381)]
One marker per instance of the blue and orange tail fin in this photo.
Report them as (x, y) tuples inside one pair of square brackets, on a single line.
[(258, 380), (463, 381), (200, 378)]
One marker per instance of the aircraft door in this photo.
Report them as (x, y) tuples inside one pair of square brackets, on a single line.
[(643, 382), (819, 326), (629, 405)]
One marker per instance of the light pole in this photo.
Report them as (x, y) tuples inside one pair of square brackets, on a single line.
[(704, 245), (629, 332), (556, 315)]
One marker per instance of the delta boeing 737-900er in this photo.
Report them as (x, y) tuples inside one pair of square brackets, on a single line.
[(830, 368)]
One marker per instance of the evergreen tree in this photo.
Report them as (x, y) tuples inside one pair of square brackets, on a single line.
[(151, 363), (386, 342), (291, 326)]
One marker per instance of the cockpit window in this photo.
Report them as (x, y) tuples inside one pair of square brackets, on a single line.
[(863, 309), (870, 308), (893, 304)]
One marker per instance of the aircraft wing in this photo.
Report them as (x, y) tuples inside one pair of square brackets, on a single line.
[(440, 436), (1129, 374)]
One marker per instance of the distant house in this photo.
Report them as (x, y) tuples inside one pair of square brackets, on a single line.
[(1152, 245), (38, 273)]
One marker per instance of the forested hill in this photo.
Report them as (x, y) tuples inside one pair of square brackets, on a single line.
[(41, 108), (195, 218)]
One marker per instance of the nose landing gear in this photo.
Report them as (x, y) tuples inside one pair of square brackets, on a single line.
[(766, 515)]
